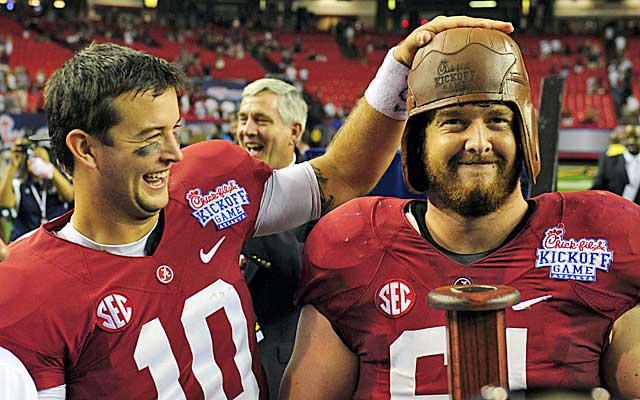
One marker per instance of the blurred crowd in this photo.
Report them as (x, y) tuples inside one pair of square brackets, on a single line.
[(21, 89), (79, 31), (16, 85), (620, 72)]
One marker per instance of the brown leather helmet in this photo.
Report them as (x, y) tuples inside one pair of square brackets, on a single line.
[(465, 65)]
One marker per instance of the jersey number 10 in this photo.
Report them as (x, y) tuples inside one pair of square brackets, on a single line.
[(153, 349)]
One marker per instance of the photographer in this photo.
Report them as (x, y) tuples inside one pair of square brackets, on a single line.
[(33, 188)]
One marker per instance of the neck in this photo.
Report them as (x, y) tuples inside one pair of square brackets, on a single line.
[(465, 235), (291, 162), (104, 224), (293, 159)]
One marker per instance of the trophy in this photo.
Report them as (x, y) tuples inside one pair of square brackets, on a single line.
[(476, 335)]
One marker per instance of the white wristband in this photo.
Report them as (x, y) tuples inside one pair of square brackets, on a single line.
[(387, 92)]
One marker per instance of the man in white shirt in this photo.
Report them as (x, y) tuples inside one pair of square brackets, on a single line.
[(271, 121)]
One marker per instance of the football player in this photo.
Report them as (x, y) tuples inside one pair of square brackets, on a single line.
[(366, 331), (136, 293)]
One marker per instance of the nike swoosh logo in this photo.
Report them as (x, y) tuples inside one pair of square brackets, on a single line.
[(523, 305), (206, 257)]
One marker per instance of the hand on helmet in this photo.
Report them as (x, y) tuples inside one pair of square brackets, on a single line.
[(407, 49)]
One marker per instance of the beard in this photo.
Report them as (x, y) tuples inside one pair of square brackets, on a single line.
[(473, 200)]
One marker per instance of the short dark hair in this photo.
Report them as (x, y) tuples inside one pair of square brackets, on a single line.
[(80, 94)]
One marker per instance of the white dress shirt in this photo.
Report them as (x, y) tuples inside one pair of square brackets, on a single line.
[(632, 165)]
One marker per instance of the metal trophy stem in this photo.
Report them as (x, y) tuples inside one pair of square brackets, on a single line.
[(476, 335)]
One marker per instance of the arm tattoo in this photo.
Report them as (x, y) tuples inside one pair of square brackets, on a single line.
[(327, 201)]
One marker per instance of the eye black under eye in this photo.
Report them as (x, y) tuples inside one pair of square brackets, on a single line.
[(148, 149)]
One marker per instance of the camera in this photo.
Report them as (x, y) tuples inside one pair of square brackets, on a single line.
[(26, 148)]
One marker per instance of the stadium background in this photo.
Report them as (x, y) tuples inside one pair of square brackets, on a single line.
[(330, 49)]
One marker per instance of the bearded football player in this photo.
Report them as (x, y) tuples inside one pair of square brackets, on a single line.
[(366, 331), (136, 293)]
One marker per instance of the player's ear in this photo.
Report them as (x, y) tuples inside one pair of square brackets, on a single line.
[(296, 131), (80, 143)]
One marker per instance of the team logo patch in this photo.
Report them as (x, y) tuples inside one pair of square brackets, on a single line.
[(572, 259), (223, 205), (164, 273), (462, 280), (114, 312), (395, 298)]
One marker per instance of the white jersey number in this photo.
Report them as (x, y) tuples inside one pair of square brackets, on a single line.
[(410, 345), (153, 349)]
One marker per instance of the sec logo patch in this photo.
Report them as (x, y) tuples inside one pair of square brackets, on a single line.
[(114, 312), (395, 298)]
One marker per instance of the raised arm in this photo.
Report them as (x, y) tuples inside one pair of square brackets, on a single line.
[(65, 188), (621, 363), (364, 147), (7, 197), (321, 366)]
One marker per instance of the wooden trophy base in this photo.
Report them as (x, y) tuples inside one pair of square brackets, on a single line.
[(476, 334)]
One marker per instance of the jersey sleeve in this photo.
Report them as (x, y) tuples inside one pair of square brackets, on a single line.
[(220, 169), (279, 200), (612, 225), (341, 257), (213, 159), (291, 198), (45, 328), (24, 335)]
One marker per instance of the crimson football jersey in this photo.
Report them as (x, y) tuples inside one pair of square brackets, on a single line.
[(176, 324), (575, 261)]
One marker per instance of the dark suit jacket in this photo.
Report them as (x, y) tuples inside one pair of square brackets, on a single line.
[(612, 175), (271, 272)]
